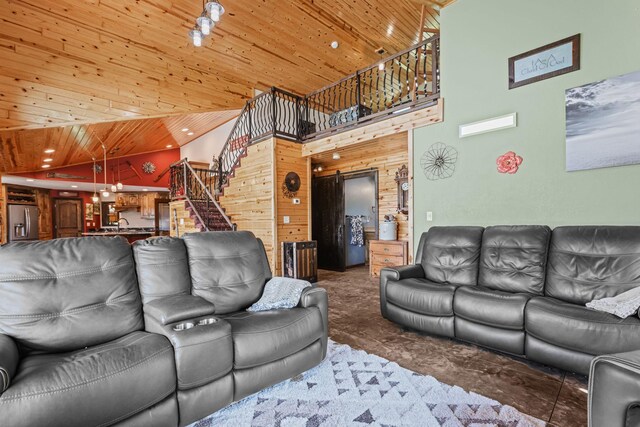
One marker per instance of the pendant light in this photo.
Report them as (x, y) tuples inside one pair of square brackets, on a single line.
[(119, 185), (196, 37), (214, 9), (205, 23), (95, 197), (105, 192)]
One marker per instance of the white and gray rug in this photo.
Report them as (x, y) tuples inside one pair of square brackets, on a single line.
[(354, 388)]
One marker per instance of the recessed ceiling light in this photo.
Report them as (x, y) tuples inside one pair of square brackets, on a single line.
[(190, 133), (49, 150), (48, 160), (46, 166), (169, 146), (30, 179), (145, 189), (185, 129), (336, 156), (334, 44), (74, 186)]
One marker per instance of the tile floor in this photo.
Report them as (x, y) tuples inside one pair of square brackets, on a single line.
[(547, 393)]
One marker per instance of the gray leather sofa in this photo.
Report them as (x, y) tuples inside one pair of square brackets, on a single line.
[(521, 290), (614, 390), (87, 334)]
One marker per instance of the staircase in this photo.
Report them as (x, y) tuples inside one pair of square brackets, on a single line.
[(193, 204), (397, 85)]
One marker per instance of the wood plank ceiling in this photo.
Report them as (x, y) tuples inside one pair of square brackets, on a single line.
[(66, 62), (24, 150)]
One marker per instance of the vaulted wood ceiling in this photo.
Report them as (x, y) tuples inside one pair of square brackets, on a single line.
[(69, 62), (23, 150)]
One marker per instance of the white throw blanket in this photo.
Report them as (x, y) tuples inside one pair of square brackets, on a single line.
[(279, 293), (623, 305)]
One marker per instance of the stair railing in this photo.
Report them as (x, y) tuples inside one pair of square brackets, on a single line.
[(395, 85), (191, 184)]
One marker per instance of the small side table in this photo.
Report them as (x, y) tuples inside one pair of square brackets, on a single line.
[(387, 253)]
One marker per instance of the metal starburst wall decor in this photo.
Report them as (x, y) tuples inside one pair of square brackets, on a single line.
[(439, 161)]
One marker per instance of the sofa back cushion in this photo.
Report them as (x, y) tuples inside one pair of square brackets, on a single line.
[(163, 268), (228, 268), (587, 263), (514, 258), (66, 294), (450, 255)]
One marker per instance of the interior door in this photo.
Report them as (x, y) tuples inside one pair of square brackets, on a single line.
[(328, 221), (69, 217)]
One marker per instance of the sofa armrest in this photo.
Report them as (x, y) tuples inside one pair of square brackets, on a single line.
[(202, 343), (614, 390), (396, 273), (177, 308), (9, 358), (317, 297)]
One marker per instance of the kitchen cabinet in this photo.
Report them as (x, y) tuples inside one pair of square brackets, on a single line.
[(45, 220), (148, 205), (127, 200)]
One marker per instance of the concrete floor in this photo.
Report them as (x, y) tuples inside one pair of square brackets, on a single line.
[(550, 394)]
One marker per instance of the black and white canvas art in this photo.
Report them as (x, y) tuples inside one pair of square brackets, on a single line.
[(603, 123)]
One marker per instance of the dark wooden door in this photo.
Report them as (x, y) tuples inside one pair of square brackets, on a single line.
[(68, 218), (328, 221)]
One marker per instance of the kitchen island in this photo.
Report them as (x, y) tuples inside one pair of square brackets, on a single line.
[(130, 235)]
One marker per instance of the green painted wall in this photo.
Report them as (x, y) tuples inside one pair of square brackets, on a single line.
[(477, 38)]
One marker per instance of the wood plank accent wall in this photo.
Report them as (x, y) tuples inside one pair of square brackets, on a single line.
[(289, 159), (387, 155), (254, 199), (3, 214), (189, 225), (249, 200)]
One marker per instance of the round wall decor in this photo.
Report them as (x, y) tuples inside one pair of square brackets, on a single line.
[(291, 185), (439, 161), (148, 167)]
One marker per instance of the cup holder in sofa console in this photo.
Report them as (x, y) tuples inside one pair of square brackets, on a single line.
[(183, 326), (208, 321)]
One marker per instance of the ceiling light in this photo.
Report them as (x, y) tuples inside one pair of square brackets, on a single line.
[(46, 166), (48, 160), (214, 9), (320, 169), (169, 146), (30, 179), (114, 188), (49, 151), (205, 24), (381, 66), (74, 186), (105, 193), (185, 129), (334, 44), (190, 133), (145, 189), (196, 37), (336, 156), (119, 186), (95, 198)]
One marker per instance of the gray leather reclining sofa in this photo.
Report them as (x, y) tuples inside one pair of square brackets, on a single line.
[(91, 337), (520, 290)]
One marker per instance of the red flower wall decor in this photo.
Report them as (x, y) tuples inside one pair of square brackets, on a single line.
[(508, 163)]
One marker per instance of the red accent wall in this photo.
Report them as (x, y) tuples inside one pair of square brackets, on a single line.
[(161, 159)]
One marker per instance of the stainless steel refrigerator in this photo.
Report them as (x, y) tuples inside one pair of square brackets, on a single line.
[(22, 222)]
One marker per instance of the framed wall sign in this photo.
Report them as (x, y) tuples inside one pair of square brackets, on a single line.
[(548, 61)]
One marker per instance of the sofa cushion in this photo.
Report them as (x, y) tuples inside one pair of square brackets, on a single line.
[(266, 336), (228, 268), (579, 328), (65, 294), (450, 254), (588, 263), (94, 386), (514, 258), (163, 268), (421, 296), (490, 307)]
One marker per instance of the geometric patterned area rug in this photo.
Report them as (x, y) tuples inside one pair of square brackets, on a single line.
[(354, 388)]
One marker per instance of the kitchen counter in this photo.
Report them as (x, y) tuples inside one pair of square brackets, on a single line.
[(130, 235)]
